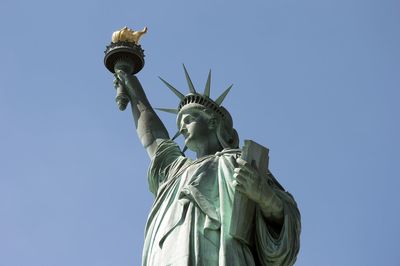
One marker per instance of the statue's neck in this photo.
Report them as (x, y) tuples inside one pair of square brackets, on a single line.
[(209, 148)]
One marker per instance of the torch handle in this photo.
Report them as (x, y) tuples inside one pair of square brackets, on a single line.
[(122, 98)]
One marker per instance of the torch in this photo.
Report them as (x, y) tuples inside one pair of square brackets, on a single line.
[(124, 54)]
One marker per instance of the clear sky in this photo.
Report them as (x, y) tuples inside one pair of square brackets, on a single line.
[(315, 81)]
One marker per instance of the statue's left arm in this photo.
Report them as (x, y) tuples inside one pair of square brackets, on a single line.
[(277, 219)]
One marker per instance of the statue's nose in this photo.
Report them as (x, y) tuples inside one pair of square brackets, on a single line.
[(183, 130)]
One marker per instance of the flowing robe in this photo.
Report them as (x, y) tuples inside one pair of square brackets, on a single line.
[(190, 218)]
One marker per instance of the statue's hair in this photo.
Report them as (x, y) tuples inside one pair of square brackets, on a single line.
[(226, 133)]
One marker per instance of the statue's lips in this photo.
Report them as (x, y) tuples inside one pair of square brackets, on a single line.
[(184, 133), (187, 137)]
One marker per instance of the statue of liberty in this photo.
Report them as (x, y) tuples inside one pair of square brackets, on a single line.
[(192, 215)]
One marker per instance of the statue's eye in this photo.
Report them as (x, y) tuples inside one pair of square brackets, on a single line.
[(188, 120)]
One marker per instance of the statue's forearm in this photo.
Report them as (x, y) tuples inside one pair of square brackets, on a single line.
[(271, 205), (149, 127)]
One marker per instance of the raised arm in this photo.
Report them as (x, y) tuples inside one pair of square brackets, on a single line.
[(149, 127)]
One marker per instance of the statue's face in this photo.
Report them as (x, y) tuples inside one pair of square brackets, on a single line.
[(196, 129)]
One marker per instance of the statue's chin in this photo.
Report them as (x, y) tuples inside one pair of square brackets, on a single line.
[(190, 145)]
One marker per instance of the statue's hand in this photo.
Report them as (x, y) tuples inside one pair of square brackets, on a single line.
[(248, 180), (117, 82), (126, 81), (257, 188), (250, 183)]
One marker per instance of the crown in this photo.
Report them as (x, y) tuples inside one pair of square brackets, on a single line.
[(194, 97), (127, 35)]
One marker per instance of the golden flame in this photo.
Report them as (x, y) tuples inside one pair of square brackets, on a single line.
[(127, 35)]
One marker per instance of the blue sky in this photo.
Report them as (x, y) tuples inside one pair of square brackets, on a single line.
[(315, 81)]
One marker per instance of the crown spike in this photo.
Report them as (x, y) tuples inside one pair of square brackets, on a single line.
[(184, 148), (168, 110), (176, 135), (177, 93), (223, 95), (189, 81), (208, 85)]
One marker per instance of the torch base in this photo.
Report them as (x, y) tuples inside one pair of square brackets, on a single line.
[(124, 51)]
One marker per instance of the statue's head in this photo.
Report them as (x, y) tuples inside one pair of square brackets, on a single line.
[(199, 118), (198, 122)]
